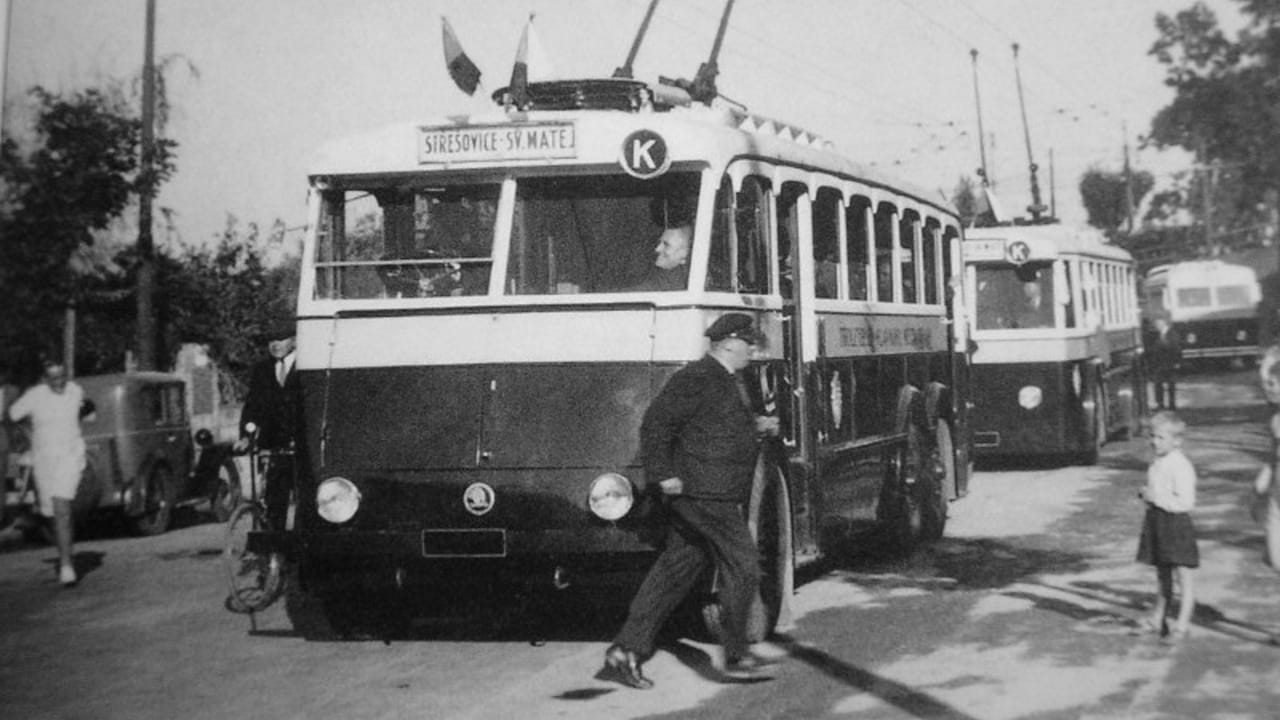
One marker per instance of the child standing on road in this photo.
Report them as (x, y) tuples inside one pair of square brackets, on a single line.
[(1168, 538)]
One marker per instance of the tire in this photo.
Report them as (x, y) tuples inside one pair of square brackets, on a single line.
[(1095, 423), (158, 499), (226, 493), (254, 581), (907, 514), (769, 517), (938, 484)]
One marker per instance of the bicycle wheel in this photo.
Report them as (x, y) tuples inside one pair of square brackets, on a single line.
[(255, 580)]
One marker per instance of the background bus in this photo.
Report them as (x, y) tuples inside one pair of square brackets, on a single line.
[(479, 337), (1057, 365), (1213, 306)]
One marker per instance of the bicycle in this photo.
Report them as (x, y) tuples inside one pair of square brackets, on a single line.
[(256, 579)]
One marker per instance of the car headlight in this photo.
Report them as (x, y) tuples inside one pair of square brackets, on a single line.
[(337, 499), (611, 496), (1030, 397)]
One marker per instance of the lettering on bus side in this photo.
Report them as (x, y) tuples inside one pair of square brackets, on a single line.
[(863, 336), (498, 142)]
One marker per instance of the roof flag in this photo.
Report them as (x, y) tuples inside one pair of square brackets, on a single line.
[(519, 85), (465, 74)]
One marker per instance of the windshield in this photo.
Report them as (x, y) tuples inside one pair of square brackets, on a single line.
[(568, 235), (1015, 297)]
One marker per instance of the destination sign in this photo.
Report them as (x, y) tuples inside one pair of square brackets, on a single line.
[(496, 142)]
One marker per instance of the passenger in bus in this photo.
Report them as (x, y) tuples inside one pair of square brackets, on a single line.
[(1164, 358), (670, 269), (700, 441)]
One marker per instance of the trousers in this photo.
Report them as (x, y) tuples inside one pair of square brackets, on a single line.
[(279, 485), (702, 532)]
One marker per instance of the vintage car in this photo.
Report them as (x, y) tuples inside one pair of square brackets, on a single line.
[(143, 458)]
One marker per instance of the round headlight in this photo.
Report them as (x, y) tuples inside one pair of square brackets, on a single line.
[(337, 499), (611, 496), (1030, 397)]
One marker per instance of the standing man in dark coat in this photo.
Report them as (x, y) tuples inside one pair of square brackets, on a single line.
[(1164, 358), (271, 409), (700, 440)]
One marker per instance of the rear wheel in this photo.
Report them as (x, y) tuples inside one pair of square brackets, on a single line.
[(158, 497), (938, 484), (907, 513), (254, 579)]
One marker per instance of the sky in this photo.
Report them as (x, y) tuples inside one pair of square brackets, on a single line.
[(258, 85)]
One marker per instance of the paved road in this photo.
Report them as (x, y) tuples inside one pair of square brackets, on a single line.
[(1023, 611)]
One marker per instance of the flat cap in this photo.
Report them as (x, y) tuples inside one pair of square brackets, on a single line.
[(739, 325)]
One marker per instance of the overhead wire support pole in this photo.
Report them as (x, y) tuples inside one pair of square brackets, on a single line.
[(1036, 207), (625, 70), (982, 142)]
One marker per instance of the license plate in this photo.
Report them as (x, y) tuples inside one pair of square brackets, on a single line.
[(464, 543)]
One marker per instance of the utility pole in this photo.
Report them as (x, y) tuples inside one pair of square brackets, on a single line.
[(146, 246)]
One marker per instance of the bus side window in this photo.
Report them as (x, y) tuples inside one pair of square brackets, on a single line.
[(857, 219), (826, 244), (909, 241), (788, 229), (931, 244), (739, 258), (884, 252)]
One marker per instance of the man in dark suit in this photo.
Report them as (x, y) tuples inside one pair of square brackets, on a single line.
[(700, 440), (1164, 358), (271, 410)]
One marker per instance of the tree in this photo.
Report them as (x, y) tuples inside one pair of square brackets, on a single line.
[(1106, 196), (81, 173), (225, 296), (965, 198), (1226, 110)]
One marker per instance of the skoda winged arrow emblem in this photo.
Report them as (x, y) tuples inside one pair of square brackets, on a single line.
[(478, 498)]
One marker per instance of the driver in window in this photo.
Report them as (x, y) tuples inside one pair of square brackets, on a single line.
[(670, 269)]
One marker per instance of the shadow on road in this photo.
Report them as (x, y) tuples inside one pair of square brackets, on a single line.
[(904, 697)]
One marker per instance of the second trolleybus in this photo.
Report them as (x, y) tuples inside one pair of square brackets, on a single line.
[(1212, 305), (1057, 365), (480, 333)]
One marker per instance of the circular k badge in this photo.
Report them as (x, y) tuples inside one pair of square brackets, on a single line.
[(644, 155)]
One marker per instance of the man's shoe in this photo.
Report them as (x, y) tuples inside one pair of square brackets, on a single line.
[(623, 667), (749, 666), (67, 575)]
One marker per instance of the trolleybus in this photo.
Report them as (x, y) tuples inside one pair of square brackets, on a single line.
[(1213, 306), (1057, 366), (480, 332)]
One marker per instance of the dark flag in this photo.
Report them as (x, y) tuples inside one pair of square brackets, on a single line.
[(465, 74)]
